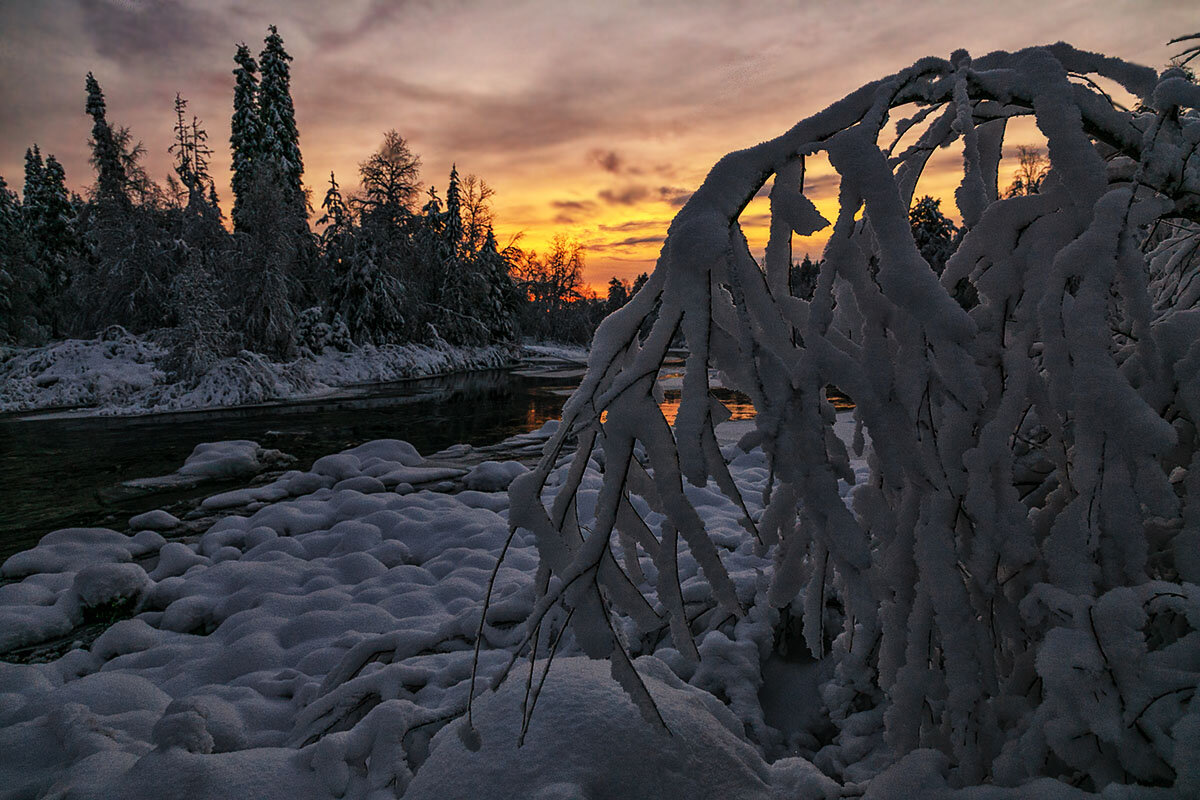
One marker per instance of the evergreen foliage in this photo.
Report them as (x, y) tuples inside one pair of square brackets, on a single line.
[(245, 137), (802, 278), (933, 233), (279, 143), (20, 281), (110, 153), (160, 262)]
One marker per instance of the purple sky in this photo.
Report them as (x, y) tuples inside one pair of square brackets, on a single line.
[(594, 119)]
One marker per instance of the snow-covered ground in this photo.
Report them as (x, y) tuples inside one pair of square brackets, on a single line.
[(119, 374), (318, 641)]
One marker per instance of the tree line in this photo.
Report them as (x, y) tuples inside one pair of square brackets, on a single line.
[(392, 262)]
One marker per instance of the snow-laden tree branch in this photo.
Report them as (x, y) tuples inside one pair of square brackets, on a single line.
[(1033, 460)]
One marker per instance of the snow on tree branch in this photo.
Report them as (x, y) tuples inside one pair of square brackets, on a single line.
[(1038, 449)]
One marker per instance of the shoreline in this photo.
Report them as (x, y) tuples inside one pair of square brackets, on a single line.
[(120, 377)]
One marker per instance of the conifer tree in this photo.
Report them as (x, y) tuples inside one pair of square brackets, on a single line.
[(337, 238), (454, 222), (337, 214), (18, 277), (502, 298), (933, 233), (618, 295), (47, 236), (802, 277), (245, 137), (280, 138), (112, 178), (35, 178), (128, 274), (55, 237)]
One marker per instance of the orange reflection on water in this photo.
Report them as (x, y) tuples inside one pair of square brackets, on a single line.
[(739, 405)]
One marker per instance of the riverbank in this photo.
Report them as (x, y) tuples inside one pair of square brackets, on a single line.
[(120, 374)]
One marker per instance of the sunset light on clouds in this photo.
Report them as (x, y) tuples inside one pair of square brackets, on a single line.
[(595, 120)]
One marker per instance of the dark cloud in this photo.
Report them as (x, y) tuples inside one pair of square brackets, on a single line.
[(624, 244), (609, 160), (133, 32), (635, 193), (574, 205), (541, 97), (625, 195), (633, 225), (572, 211), (822, 185), (674, 196)]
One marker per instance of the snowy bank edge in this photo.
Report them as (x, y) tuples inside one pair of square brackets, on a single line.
[(120, 376)]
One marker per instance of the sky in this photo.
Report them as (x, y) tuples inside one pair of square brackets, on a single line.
[(591, 119)]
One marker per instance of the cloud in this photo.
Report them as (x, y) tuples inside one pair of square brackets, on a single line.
[(674, 196), (132, 32), (608, 160), (633, 225), (574, 205), (635, 193), (572, 211), (624, 196), (625, 244)]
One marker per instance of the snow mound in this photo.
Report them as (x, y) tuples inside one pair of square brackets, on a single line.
[(156, 520), (232, 459), (108, 371), (383, 465), (106, 584), (494, 476), (588, 740)]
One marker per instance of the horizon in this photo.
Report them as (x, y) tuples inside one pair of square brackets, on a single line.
[(592, 122)]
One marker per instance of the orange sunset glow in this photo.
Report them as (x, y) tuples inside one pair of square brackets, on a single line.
[(594, 120)]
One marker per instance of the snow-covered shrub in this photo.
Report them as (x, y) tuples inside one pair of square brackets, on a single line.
[(315, 334), (1016, 580)]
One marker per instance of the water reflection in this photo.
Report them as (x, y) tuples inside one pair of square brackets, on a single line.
[(739, 404), (58, 471)]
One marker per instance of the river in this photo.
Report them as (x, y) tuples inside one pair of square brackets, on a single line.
[(59, 471), (62, 470)]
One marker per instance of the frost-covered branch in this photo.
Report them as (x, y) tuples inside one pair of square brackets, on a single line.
[(1077, 370)]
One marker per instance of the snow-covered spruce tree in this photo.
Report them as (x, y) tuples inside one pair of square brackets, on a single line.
[(277, 269), (465, 295), (365, 298), (112, 179), (280, 139), (500, 302), (126, 278), (1016, 582), (933, 232), (245, 132), (52, 234), (19, 280)]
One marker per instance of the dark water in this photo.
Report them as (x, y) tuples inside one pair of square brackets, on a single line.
[(59, 472)]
